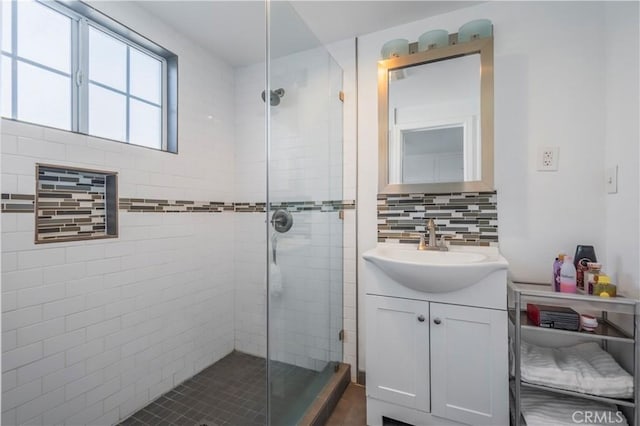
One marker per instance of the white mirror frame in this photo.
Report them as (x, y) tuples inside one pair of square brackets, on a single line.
[(484, 47)]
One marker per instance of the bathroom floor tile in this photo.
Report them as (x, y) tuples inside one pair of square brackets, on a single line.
[(231, 392)]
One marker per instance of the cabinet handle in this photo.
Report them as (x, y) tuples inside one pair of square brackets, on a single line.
[(421, 318), (437, 320)]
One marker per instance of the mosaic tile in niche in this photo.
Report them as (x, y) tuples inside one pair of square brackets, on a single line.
[(74, 204)]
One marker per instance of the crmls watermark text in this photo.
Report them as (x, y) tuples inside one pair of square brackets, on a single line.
[(588, 417)]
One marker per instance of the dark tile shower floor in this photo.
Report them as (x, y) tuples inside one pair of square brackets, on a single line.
[(231, 392)]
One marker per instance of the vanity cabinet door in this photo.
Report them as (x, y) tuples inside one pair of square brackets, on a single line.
[(469, 364), (397, 348)]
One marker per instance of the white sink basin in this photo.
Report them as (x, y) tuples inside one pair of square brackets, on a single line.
[(435, 271)]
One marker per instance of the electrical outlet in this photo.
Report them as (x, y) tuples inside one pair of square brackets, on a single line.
[(548, 158)]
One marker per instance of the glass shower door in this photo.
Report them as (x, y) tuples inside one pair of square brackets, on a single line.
[(304, 219)]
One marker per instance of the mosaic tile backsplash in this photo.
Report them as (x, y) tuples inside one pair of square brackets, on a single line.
[(71, 204), (469, 218)]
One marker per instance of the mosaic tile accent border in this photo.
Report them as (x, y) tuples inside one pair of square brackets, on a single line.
[(167, 206), (18, 203), (74, 204), (469, 218), (22, 203), (173, 206), (250, 207), (324, 206)]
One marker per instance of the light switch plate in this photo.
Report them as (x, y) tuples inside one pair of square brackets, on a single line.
[(611, 180)]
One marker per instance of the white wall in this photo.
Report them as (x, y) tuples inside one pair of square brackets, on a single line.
[(621, 144), (94, 330), (549, 91)]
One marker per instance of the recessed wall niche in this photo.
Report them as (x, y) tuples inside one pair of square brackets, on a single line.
[(74, 204)]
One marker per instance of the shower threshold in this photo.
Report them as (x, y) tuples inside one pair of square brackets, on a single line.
[(232, 392)]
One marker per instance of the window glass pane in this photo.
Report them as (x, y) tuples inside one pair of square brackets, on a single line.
[(6, 26), (145, 125), (107, 60), (6, 86), (107, 113), (44, 35), (44, 97), (146, 76)]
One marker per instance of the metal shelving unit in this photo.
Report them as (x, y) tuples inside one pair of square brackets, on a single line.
[(519, 294)]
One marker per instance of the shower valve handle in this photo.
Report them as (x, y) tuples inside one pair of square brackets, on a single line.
[(279, 220)]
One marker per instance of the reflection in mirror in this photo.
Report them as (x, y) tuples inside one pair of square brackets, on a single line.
[(435, 111), (432, 155), (434, 133)]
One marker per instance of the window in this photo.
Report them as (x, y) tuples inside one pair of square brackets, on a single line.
[(75, 69)]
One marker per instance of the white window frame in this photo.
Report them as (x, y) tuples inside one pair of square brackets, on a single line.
[(83, 80), (83, 17)]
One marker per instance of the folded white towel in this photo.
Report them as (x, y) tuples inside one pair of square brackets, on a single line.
[(545, 408), (584, 367)]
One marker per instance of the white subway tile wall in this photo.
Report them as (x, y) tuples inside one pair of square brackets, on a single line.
[(94, 330), (113, 325)]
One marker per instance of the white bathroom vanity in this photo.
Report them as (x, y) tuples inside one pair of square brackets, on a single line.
[(436, 354)]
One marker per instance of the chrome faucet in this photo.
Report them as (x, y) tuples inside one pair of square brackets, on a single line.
[(433, 245), (431, 226)]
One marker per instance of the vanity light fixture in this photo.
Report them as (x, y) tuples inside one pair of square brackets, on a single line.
[(472, 30), (395, 48), (432, 39)]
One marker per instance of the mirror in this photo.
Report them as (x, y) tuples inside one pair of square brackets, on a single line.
[(435, 119)]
